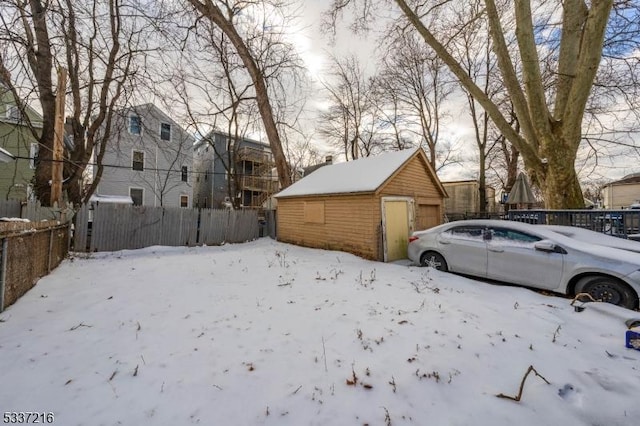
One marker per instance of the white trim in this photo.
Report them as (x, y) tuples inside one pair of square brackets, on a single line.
[(34, 148)]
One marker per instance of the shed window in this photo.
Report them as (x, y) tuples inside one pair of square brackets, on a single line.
[(314, 212)]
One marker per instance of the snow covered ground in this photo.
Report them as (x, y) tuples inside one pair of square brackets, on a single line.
[(269, 333)]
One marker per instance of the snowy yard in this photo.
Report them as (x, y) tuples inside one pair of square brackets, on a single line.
[(268, 333)]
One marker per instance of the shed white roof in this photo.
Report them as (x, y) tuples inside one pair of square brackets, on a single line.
[(363, 175)]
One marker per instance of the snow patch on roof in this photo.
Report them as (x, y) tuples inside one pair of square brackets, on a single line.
[(363, 175)]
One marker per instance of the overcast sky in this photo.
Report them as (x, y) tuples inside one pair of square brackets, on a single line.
[(315, 48)]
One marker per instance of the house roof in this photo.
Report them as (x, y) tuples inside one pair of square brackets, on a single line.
[(211, 135), (363, 175), (632, 178)]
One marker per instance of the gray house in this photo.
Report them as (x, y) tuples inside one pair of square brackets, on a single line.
[(149, 158), (232, 172)]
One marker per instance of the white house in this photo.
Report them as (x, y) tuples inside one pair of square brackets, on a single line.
[(148, 157)]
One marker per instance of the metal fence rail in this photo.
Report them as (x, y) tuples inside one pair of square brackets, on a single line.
[(619, 223)]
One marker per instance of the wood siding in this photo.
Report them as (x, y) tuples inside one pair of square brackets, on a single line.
[(619, 196), (353, 222), (464, 197), (413, 180), (350, 224)]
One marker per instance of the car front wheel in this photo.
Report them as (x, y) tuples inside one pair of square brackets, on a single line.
[(608, 289), (434, 260)]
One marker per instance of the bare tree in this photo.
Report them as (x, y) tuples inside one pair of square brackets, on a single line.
[(350, 122), (550, 117), (227, 16), (481, 66), (418, 78), (99, 43)]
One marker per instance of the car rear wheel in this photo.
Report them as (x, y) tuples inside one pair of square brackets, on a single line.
[(608, 289), (434, 260)]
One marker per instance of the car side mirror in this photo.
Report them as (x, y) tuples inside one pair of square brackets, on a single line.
[(548, 246)]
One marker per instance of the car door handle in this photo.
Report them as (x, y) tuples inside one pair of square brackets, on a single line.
[(496, 249)]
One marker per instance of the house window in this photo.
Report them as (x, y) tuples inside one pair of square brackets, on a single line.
[(33, 155), (138, 161), (165, 131), (137, 195), (135, 125), (13, 113), (184, 201), (184, 173)]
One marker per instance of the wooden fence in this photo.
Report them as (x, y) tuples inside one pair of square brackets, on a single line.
[(31, 210), (110, 227)]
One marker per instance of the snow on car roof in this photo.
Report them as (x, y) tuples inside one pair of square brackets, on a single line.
[(363, 175)]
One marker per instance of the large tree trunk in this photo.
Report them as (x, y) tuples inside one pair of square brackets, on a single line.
[(549, 141), (482, 183), (41, 62), (559, 183), (215, 15)]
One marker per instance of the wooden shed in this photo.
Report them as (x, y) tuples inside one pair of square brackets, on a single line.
[(367, 207)]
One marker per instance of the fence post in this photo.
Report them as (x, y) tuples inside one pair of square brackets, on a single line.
[(3, 273), (50, 250)]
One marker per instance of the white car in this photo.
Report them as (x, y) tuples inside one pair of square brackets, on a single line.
[(546, 257)]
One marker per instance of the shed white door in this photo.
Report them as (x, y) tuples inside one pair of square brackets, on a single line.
[(397, 215)]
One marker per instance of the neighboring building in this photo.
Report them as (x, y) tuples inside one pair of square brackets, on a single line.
[(148, 157), (16, 138), (464, 198), (622, 193), (310, 169), (368, 207), (218, 159)]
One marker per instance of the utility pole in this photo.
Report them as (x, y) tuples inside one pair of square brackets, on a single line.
[(56, 167)]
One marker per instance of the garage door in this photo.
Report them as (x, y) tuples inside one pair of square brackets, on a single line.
[(427, 216)]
